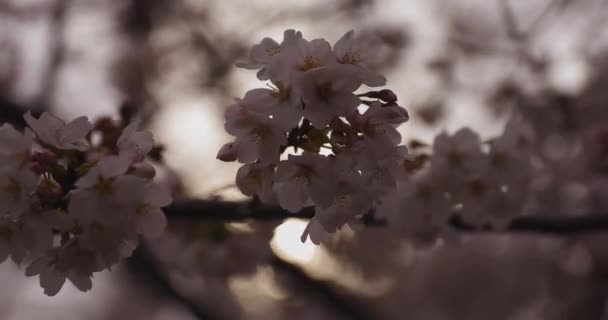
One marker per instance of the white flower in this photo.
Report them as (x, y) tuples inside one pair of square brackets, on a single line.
[(257, 136), (299, 178), (510, 155), (96, 199), (382, 176), (281, 102), (256, 179), (16, 189), (109, 242), (327, 93), (344, 196), (315, 231), (14, 147), (377, 126), (150, 220), (66, 262), (457, 156), (135, 144), (360, 52), (11, 242), (268, 50), (418, 209), (301, 55), (145, 199), (101, 175), (55, 132)]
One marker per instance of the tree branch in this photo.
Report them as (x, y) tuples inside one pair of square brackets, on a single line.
[(215, 210)]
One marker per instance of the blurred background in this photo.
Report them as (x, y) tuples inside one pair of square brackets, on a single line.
[(451, 64)]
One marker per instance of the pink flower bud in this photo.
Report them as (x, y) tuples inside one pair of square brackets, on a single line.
[(387, 95), (227, 153)]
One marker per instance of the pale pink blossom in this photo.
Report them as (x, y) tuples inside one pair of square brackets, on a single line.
[(360, 52), (16, 191), (302, 55), (145, 200), (344, 196), (15, 147), (54, 132), (327, 93), (281, 101), (268, 50), (298, 180), (256, 179), (458, 155), (66, 262), (418, 209), (258, 137), (134, 144)]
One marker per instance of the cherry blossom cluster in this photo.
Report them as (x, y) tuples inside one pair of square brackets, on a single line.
[(308, 139), (74, 197), (485, 184)]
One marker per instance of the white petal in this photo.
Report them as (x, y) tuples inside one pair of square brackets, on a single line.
[(152, 223), (37, 266), (158, 194), (81, 281), (293, 195), (113, 166), (75, 130), (51, 281), (315, 232)]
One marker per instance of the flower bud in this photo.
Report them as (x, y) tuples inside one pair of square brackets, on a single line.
[(385, 95), (227, 153)]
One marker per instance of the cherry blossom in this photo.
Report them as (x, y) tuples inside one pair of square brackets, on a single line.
[(134, 144), (257, 135), (328, 93), (66, 262), (16, 191), (300, 178), (266, 51), (256, 179), (56, 133), (360, 51), (14, 147)]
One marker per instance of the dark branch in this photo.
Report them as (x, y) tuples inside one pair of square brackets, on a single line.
[(211, 210)]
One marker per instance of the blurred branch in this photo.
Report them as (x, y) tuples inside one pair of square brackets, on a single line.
[(145, 267), (509, 20), (323, 291), (216, 210), (551, 6)]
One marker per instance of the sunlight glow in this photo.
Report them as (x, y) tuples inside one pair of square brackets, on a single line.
[(286, 242)]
